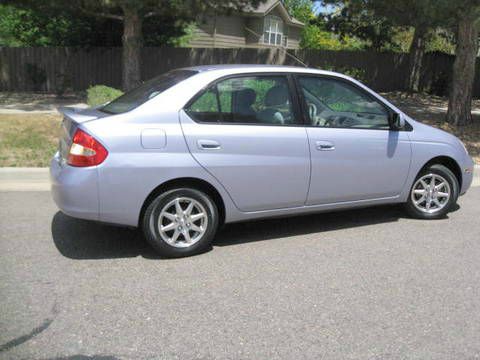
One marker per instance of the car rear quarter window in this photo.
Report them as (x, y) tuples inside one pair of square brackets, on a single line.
[(148, 90)]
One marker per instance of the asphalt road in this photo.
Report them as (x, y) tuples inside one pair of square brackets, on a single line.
[(364, 284)]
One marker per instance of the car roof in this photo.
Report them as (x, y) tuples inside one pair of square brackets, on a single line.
[(239, 68)]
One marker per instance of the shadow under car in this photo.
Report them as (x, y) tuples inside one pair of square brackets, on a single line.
[(83, 239)]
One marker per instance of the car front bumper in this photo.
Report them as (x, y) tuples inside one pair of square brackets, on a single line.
[(467, 175), (74, 189)]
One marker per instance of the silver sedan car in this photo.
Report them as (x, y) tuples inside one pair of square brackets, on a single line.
[(199, 147)]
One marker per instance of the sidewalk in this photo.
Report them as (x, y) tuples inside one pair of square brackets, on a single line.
[(37, 179), (32, 103)]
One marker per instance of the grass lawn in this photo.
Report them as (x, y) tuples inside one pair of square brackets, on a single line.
[(28, 139)]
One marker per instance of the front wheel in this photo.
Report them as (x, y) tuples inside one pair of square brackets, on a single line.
[(180, 222), (433, 193)]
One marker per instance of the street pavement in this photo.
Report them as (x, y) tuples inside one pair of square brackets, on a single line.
[(363, 284)]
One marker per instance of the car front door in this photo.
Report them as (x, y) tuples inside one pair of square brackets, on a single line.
[(247, 132), (355, 154)]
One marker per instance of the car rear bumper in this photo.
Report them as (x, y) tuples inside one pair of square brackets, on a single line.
[(75, 190)]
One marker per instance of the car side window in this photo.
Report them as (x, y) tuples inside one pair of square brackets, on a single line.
[(263, 99), (335, 103), (205, 108)]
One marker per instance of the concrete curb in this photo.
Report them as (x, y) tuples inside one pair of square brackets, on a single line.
[(37, 179), (24, 179)]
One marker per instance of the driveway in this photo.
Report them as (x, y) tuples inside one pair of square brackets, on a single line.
[(363, 284)]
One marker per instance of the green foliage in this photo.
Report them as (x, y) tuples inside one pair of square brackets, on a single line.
[(184, 39), (300, 9), (337, 97), (261, 87), (401, 40), (387, 25), (314, 37), (442, 41), (414, 13), (207, 102), (166, 31), (100, 94), (375, 32), (314, 34), (31, 27), (100, 22)]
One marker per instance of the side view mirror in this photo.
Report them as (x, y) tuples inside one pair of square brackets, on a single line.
[(397, 121)]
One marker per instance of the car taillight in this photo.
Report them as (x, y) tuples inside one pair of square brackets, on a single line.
[(86, 150)]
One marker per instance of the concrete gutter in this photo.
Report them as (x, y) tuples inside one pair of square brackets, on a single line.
[(24, 179), (37, 179)]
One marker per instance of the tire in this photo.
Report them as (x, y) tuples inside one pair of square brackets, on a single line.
[(418, 198), (181, 235)]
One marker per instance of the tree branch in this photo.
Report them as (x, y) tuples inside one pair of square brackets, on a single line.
[(103, 15), (150, 14)]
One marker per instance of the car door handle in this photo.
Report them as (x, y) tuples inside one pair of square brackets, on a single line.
[(324, 145), (208, 145)]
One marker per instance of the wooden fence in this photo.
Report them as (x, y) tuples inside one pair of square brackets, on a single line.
[(56, 70)]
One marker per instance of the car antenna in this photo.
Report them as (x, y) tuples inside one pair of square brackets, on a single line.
[(281, 48)]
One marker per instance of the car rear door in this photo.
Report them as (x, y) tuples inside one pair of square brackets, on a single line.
[(355, 154), (247, 132)]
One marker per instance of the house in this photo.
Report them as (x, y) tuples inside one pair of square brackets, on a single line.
[(267, 25)]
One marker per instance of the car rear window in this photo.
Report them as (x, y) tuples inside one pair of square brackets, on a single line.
[(146, 91)]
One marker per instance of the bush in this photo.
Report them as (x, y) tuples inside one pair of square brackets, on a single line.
[(100, 94)]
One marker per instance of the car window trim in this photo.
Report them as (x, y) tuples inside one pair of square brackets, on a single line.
[(297, 111), (304, 108)]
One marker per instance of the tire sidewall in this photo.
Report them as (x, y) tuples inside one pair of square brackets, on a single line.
[(151, 231), (454, 186)]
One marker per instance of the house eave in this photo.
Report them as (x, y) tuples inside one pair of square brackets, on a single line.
[(278, 4)]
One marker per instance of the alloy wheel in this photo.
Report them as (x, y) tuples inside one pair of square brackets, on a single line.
[(431, 193), (182, 222)]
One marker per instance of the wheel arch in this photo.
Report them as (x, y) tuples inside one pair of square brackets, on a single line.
[(196, 183), (449, 163)]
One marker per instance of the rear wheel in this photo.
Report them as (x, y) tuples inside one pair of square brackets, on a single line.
[(180, 222), (433, 193)]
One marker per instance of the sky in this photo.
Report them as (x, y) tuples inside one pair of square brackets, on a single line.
[(318, 8)]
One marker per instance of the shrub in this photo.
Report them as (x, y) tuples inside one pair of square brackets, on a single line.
[(100, 94)]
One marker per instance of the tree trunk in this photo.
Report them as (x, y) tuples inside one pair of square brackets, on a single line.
[(132, 47), (460, 101), (416, 55)]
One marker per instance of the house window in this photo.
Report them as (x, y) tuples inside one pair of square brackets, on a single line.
[(273, 30)]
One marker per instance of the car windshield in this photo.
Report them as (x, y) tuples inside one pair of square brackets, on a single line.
[(146, 91)]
